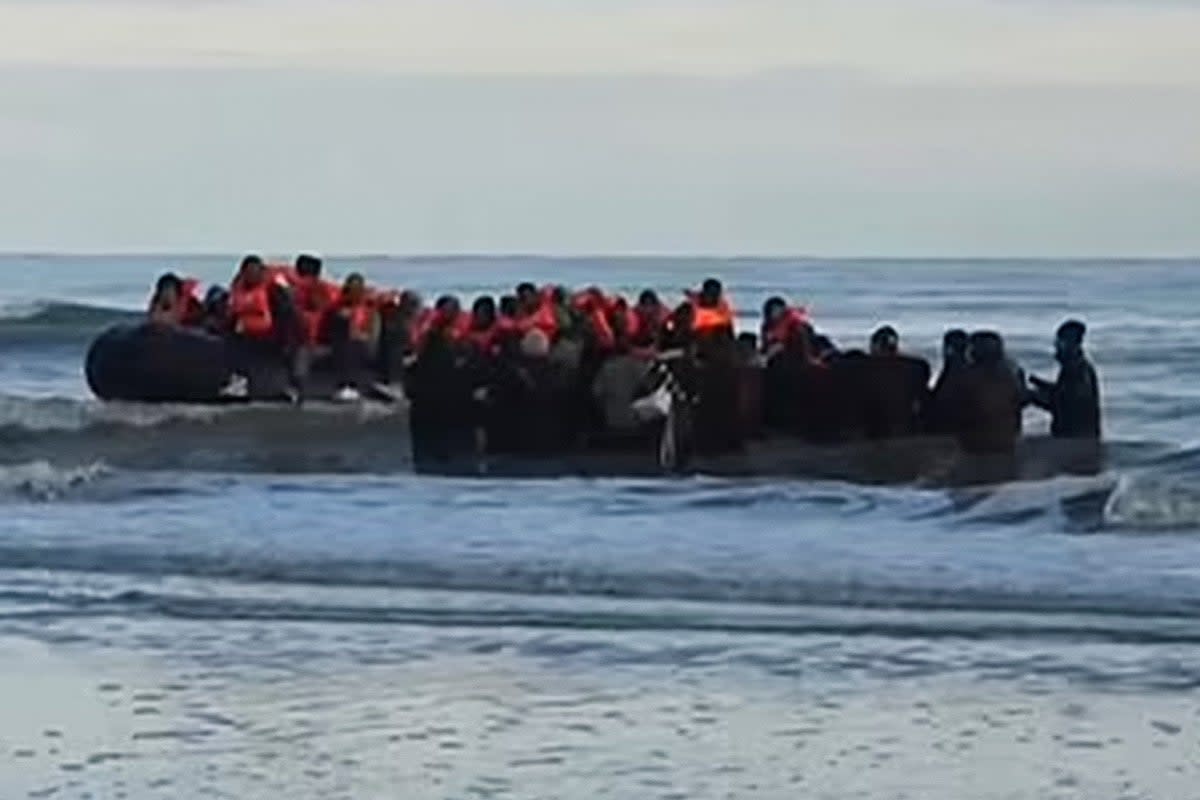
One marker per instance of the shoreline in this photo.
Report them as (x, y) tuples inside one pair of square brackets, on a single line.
[(110, 722)]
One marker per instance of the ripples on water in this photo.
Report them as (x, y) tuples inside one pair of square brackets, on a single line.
[(262, 602)]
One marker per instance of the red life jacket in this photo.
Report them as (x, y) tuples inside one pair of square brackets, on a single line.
[(648, 323), (361, 316), (545, 319), (433, 320), (251, 311), (605, 338), (188, 308), (791, 322), (485, 340)]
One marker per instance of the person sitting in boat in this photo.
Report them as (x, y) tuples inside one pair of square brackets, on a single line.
[(1073, 399), (446, 320), (714, 314), (678, 331), (313, 296), (592, 308), (943, 409), (781, 323), (530, 402), (257, 302), (528, 299), (353, 328), (215, 317), (175, 301), (800, 394), (988, 398), (443, 409), (482, 329), (617, 383), (895, 388), (651, 315), (544, 309)]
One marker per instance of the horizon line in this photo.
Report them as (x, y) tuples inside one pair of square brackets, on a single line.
[(583, 255)]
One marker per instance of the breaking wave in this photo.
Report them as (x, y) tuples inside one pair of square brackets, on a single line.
[(43, 481), (317, 438)]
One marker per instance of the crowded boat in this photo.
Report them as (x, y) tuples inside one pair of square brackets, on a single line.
[(549, 371)]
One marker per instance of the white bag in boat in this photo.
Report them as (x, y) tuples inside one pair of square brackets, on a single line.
[(654, 406)]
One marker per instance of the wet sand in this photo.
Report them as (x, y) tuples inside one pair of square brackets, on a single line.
[(80, 722)]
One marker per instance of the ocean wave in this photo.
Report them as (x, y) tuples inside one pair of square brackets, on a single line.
[(256, 438), (1154, 502), (42, 414), (57, 322), (43, 481), (807, 610)]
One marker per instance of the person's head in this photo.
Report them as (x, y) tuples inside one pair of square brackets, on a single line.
[(773, 309), (527, 297), (483, 312), (447, 306), (308, 266), (954, 346), (535, 345), (252, 271), (885, 342), (648, 301), (410, 303), (354, 289), (1068, 341), (558, 294), (509, 306), (216, 299), (168, 287), (710, 292), (747, 347), (986, 348)]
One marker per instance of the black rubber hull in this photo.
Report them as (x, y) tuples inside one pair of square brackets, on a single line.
[(156, 364)]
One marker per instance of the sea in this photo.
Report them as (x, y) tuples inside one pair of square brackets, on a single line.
[(266, 602)]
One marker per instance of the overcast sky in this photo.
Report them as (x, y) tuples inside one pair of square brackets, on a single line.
[(839, 127)]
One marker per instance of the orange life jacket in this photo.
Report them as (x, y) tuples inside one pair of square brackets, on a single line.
[(251, 311), (314, 297), (708, 319)]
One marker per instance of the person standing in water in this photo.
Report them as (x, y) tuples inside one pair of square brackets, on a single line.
[(1073, 400)]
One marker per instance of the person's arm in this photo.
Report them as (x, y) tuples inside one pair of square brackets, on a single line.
[(1040, 393)]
